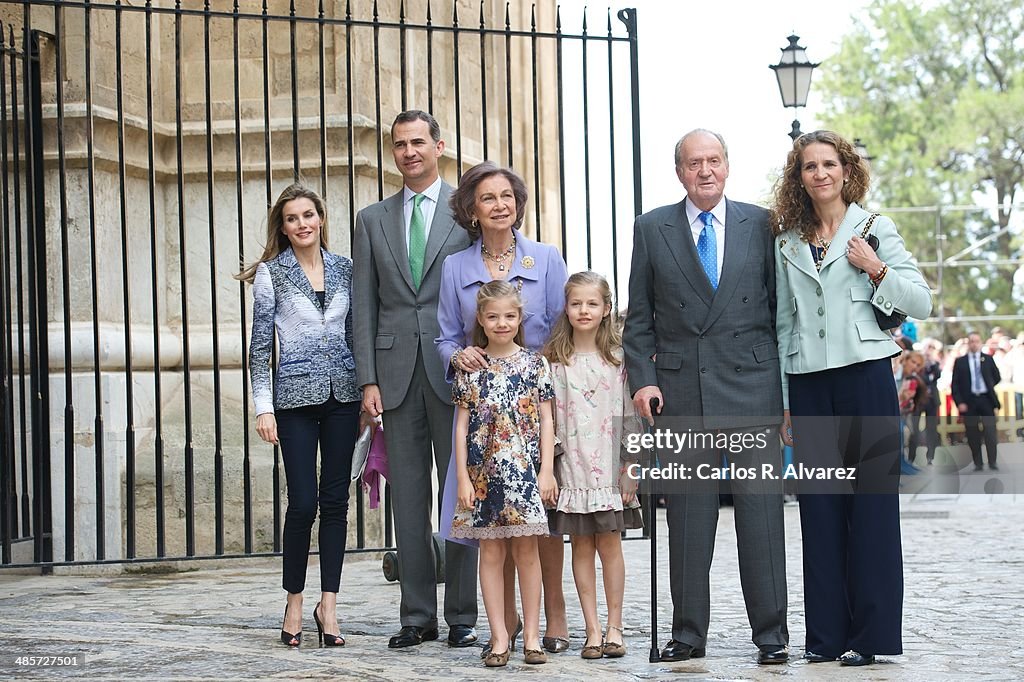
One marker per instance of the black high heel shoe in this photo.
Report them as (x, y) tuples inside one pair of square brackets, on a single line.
[(287, 637), (325, 638)]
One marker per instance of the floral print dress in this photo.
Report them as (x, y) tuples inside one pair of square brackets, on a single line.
[(503, 446), (594, 415)]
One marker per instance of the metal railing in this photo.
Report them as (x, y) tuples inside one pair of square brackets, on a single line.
[(141, 144)]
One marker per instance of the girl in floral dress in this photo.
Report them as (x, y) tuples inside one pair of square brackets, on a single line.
[(504, 447), (593, 414)]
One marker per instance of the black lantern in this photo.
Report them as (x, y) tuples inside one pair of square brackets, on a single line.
[(861, 149), (794, 75)]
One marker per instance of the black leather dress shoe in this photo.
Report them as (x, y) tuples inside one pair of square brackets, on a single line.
[(679, 651), (771, 654), (812, 657), (461, 635), (852, 657), (412, 635)]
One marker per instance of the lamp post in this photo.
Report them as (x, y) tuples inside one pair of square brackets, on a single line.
[(794, 75), (861, 149)]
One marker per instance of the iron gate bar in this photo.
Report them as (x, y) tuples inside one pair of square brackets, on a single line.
[(65, 269), (126, 290), (158, 441), (376, 104), (323, 97), (218, 429), (508, 89), (269, 179), (402, 75), (458, 93), (611, 163), (536, 115), (561, 128), (430, 60), (483, 84), (296, 166), (19, 283), (586, 148), (628, 17), (37, 299), (186, 355), (8, 482), (240, 211)]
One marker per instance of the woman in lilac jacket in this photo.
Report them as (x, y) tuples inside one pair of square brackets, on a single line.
[(490, 204)]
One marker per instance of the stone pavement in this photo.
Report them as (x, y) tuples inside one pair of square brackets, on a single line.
[(964, 563)]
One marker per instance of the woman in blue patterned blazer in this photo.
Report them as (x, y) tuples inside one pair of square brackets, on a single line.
[(304, 292)]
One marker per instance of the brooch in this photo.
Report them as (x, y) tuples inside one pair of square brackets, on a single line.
[(527, 262)]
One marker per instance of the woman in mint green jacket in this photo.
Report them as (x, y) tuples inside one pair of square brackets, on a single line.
[(842, 411)]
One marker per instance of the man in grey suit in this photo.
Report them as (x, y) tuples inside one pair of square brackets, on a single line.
[(700, 337), (400, 245)]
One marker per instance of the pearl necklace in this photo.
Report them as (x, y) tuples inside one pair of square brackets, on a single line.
[(502, 257)]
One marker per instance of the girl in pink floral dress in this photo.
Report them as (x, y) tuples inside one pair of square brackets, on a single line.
[(593, 414), (504, 447)]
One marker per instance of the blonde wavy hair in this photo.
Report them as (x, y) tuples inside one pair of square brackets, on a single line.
[(792, 209), (496, 290), (560, 347), (277, 240)]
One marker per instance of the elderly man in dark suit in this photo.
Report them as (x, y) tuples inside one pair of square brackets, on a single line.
[(975, 377), (700, 338), (400, 245)]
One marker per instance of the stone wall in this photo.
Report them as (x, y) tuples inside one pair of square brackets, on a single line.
[(163, 214)]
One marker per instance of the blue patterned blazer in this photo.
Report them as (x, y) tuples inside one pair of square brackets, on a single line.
[(314, 345)]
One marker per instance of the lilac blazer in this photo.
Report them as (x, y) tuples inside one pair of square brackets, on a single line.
[(464, 273)]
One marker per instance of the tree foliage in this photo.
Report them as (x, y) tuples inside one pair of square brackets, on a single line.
[(936, 92)]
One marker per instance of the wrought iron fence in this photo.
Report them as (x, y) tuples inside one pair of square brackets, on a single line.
[(140, 145)]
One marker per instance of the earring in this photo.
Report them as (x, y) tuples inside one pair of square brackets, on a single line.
[(474, 223), (846, 180)]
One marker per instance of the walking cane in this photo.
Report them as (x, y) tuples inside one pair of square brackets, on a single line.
[(652, 500)]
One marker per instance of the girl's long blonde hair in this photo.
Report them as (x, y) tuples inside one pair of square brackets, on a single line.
[(496, 290), (560, 347), (277, 240)]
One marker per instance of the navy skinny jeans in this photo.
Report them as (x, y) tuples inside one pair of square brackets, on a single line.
[(333, 426)]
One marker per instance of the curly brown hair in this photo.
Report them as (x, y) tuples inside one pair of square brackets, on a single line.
[(793, 209), (463, 199)]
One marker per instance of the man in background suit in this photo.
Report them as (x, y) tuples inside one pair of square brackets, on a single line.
[(700, 337), (400, 245), (975, 376)]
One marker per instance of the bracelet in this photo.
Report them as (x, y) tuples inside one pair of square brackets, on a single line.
[(880, 275), (455, 357)]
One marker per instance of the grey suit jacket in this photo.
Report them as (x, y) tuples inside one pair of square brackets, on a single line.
[(712, 353), (393, 321)]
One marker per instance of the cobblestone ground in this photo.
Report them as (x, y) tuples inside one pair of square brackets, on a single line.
[(964, 564)]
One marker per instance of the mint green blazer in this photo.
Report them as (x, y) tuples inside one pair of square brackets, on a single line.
[(824, 320)]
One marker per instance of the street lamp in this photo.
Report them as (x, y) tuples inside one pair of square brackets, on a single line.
[(794, 75), (861, 149)]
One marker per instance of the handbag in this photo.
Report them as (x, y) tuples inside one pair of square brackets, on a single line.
[(360, 451), (895, 319)]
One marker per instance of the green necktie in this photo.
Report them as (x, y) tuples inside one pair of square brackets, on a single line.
[(417, 241)]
